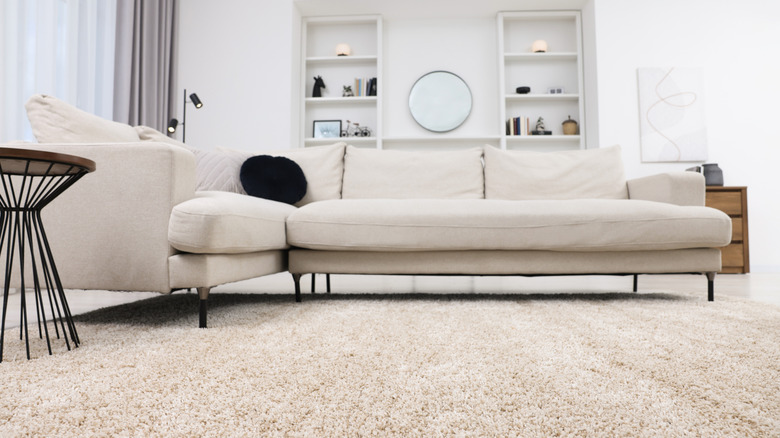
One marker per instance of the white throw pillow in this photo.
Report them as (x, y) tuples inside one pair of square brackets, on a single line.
[(54, 121), (372, 173), (220, 170), (579, 174)]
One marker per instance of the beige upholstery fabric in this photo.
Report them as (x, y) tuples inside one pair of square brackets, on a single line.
[(220, 170), (146, 133), (228, 223), (207, 270), (564, 225), (110, 229), (680, 188), (505, 262), (581, 174), (323, 167), (54, 121), (371, 173)]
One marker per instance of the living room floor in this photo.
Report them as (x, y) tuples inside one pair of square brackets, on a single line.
[(760, 287)]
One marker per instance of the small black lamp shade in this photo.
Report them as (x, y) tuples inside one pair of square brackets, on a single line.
[(172, 125), (195, 100)]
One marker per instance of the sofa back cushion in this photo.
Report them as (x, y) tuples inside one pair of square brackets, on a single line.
[(323, 167), (54, 121), (579, 174), (391, 174)]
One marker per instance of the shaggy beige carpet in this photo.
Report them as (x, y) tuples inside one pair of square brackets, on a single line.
[(406, 365)]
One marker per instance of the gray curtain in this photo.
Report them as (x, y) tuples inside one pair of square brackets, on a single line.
[(145, 64)]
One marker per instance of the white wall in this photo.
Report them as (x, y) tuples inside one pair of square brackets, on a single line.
[(237, 55), (737, 44), (414, 47)]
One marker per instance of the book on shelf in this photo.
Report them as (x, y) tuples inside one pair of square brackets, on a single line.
[(518, 126), (365, 86)]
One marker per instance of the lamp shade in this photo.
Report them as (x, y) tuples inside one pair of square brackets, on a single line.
[(195, 100), (172, 125), (539, 46), (343, 50)]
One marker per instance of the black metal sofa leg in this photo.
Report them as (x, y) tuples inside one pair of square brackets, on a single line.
[(636, 282), (297, 281), (327, 283), (710, 285), (203, 294)]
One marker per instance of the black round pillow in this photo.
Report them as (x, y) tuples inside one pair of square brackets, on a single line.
[(275, 178)]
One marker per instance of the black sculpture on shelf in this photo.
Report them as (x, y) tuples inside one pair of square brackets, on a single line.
[(319, 84)]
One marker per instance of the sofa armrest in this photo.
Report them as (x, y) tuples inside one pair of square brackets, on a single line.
[(680, 188), (110, 229)]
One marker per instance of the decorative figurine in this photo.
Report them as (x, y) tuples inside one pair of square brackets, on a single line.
[(319, 84), (347, 92), (540, 128), (355, 130)]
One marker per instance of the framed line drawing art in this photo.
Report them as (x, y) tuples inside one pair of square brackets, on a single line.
[(327, 129), (671, 113)]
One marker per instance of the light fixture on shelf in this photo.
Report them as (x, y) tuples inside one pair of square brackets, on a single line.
[(174, 123), (539, 46), (343, 50)]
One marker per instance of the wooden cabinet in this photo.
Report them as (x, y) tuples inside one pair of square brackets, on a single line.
[(733, 202)]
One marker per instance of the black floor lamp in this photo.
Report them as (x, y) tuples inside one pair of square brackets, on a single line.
[(174, 123)]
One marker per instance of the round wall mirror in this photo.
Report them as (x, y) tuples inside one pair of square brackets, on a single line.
[(440, 101)]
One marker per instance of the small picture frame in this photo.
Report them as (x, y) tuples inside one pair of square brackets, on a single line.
[(556, 90), (327, 129)]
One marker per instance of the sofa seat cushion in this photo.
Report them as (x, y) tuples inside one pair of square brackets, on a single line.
[(228, 223), (571, 225)]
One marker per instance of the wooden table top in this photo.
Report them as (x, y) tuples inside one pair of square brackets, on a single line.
[(15, 161)]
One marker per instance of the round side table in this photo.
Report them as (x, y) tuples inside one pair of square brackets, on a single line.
[(30, 180)]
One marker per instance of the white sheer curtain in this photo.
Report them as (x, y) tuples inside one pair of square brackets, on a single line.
[(64, 48)]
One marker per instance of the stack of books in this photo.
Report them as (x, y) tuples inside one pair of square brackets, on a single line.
[(518, 126), (365, 87)]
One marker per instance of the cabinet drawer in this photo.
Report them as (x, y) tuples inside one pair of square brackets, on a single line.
[(727, 202), (732, 255), (736, 229)]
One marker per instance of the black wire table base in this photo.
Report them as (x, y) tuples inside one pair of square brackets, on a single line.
[(26, 186)]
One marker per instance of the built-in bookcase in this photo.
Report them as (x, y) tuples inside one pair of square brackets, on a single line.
[(320, 37), (559, 68)]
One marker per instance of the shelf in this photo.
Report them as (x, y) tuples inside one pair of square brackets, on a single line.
[(340, 59), (442, 138), (542, 97), (549, 56), (559, 68), (340, 100), (349, 140), (540, 138)]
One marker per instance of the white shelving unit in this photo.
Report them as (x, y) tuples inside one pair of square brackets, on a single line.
[(559, 67), (320, 36)]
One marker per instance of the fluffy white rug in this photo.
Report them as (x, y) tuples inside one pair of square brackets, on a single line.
[(406, 365)]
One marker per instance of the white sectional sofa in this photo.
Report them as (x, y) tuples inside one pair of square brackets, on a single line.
[(139, 224)]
